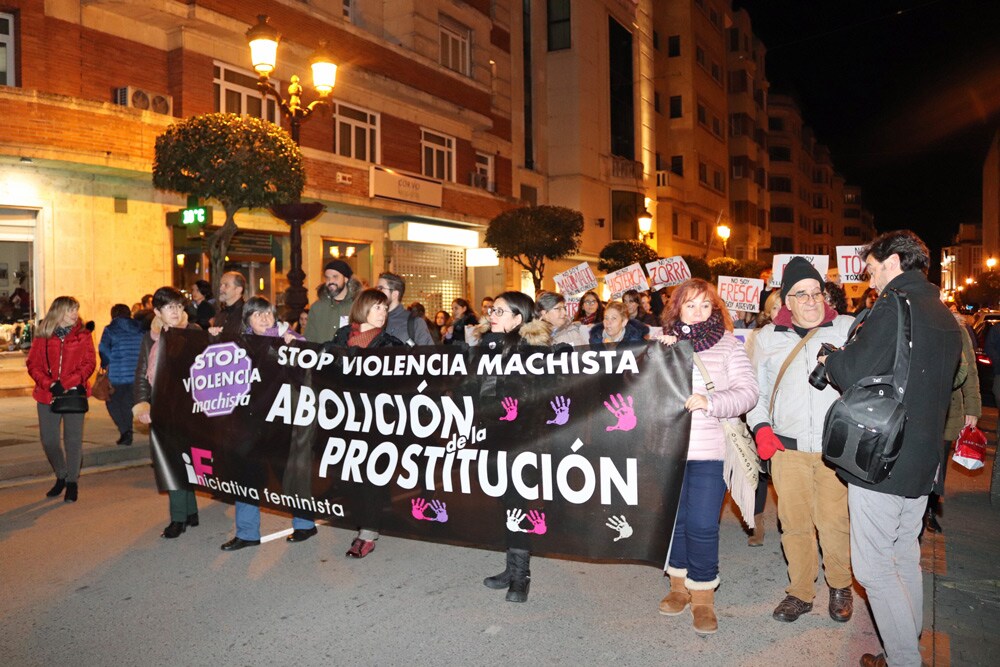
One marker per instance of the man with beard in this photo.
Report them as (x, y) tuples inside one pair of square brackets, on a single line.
[(333, 307), (232, 292)]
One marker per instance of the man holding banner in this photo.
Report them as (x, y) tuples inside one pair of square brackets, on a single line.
[(787, 423)]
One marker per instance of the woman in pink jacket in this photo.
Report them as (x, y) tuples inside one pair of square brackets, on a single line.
[(697, 314)]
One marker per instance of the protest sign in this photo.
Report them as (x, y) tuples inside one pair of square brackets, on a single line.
[(741, 293), (622, 280), (572, 306), (576, 280), (820, 262), (668, 272), (438, 444), (850, 266)]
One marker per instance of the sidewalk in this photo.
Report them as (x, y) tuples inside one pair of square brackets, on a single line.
[(21, 452), (961, 587)]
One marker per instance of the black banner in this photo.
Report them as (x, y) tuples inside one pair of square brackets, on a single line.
[(573, 453)]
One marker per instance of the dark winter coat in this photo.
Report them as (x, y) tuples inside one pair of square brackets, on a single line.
[(635, 333), (230, 318), (77, 357), (934, 358), (203, 314), (119, 349), (458, 328), (384, 339)]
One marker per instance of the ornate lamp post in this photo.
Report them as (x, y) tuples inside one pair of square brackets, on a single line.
[(263, 40), (645, 221), (723, 232)]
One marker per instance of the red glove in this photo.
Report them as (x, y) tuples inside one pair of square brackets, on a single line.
[(767, 443)]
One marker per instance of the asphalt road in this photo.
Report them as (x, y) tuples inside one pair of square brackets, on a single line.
[(94, 584)]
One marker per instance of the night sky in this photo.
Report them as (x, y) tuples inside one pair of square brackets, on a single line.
[(906, 93)]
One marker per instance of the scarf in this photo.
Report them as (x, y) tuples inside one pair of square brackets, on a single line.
[(61, 332), (588, 319), (359, 338), (702, 335)]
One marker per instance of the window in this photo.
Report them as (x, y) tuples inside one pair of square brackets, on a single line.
[(675, 221), (356, 133), (559, 25), (717, 72), (236, 92), (677, 164), (819, 226), (7, 50), (782, 214), (775, 124), (482, 177), (656, 40), (852, 231), (780, 153), (779, 184), (716, 126), (675, 106), (703, 173), (718, 180), (781, 244), (734, 39), (702, 114), (695, 232), (699, 55), (739, 81), (454, 45), (656, 102), (348, 13), (438, 153), (852, 213), (673, 46), (659, 161)]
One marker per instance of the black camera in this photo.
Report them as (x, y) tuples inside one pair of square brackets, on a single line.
[(818, 376)]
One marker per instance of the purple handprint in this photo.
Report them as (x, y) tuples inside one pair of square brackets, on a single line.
[(537, 520), (510, 405), (561, 407), (440, 512), (623, 411), (419, 505)]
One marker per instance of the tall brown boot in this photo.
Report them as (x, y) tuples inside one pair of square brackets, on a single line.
[(679, 597), (757, 536), (703, 609)]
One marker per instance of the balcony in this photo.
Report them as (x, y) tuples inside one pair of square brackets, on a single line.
[(669, 185), (618, 168)]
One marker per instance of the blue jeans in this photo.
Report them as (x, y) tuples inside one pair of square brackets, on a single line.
[(248, 522), (695, 545)]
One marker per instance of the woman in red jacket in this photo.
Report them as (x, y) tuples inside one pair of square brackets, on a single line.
[(62, 357)]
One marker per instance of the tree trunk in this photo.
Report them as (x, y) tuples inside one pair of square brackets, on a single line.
[(218, 245)]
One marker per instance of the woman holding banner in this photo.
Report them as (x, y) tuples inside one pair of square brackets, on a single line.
[(551, 307), (591, 309), (697, 314), (512, 324)]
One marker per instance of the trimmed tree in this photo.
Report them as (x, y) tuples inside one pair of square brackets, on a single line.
[(532, 234), (699, 267), (619, 254), (241, 162)]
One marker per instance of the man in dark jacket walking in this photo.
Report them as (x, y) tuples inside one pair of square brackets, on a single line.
[(119, 351), (886, 517)]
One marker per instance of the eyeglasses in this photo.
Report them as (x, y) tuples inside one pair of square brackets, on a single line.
[(384, 288), (589, 302), (499, 312), (173, 307), (805, 297)]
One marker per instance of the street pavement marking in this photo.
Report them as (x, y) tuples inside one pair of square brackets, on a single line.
[(275, 536)]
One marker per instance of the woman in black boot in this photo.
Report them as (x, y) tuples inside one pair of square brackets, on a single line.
[(511, 324), (62, 358)]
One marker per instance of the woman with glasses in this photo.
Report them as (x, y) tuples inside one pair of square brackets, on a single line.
[(462, 316), (61, 358), (551, 307), (591, 310), (168, 313), (696, 314), (511, 325), (617, 328)]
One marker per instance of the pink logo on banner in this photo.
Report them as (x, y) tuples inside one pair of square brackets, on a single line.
[(197, 468)]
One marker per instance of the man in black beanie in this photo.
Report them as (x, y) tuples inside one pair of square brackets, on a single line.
[(333, 307), (787, 424)]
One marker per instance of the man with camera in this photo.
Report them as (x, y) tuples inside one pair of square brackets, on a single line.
[(787, 423), (886, 516)]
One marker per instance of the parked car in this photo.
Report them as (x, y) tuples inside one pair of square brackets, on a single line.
[(983, 364)]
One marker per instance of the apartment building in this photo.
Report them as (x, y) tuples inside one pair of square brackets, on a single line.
[(412, 159)]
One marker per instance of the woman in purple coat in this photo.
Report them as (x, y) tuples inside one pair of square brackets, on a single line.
[(697, 314)]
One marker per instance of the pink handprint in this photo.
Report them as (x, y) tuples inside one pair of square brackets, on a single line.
[(419, 505), (510, 405), (537, 520), (623, 411)]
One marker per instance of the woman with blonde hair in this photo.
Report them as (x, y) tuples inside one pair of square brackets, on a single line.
[(62, 359), (696, 314)]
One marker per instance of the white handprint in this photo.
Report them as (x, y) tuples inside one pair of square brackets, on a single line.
[(514, 518), (621, 525)]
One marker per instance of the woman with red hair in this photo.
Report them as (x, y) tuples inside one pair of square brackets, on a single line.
[(697, 315)]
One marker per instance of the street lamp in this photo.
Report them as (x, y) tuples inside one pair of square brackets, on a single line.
[(723, 232), (645, 221), (991, 263), (263, 40)]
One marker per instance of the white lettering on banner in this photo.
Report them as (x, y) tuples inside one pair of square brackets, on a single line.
[(820, 262), (360, 463), (668, 272), (850, 266), (578, 279), (622, 280), (740, 293)]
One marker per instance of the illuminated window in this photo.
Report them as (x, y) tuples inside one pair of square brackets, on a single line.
[(438, 155), (356, 133), (236, 92), (482, 177), (7, 50)]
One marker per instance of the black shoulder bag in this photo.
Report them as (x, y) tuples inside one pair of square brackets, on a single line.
[(863, 431), (71, 401)]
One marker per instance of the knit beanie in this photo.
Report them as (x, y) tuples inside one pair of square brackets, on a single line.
[(340, 266), (798, 269)]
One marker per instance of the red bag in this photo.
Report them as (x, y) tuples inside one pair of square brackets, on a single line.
[(970, 448)]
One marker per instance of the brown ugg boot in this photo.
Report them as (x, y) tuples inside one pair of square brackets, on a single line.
[(756, 538), (703, 608), (679, 597)]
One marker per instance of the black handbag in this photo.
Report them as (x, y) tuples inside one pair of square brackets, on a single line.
[(863, 430), (71, 401)]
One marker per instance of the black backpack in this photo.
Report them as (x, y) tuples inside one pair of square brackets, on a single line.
[(863, 431)]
